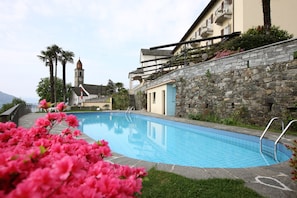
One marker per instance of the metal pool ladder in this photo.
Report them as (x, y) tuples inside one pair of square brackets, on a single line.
[(129, 109), (284, 130), (127, 114)]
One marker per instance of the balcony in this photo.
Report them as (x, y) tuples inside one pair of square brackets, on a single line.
[(195, 44), (206, 31), (222, 15)]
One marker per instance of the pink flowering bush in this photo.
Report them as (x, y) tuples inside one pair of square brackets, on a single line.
[(226, 52), (293, 160), (36, 163)]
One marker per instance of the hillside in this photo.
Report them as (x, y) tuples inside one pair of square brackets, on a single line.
[(5, 98)]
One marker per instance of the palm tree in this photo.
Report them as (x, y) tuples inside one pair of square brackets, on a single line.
[(66, 56), (266, 15), (55, 51), (47, 57)]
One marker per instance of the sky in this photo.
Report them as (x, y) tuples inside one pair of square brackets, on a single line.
[(106, 35)]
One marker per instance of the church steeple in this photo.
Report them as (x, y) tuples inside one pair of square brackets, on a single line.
[(79, 74), (79, 64)]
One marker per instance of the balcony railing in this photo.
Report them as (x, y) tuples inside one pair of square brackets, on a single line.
[(206, 31), (195, 44), (223, 14), (14, 113)]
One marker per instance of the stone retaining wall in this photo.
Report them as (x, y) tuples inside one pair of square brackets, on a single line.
[(254, 85)]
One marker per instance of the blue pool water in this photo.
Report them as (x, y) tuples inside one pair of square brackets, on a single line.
[(158, 140)]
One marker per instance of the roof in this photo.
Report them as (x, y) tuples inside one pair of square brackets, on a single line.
[(137, 71), (91, 89), (77, 91), (79, 64), (194, 25), (156, 52), (95, 100)]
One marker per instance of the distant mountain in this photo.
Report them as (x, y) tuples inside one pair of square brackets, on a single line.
[(5, 98)]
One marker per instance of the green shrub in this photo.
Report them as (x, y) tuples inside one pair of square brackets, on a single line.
[(229, 121), (194, 116), (208, 117), (257, 37), (14, 102)]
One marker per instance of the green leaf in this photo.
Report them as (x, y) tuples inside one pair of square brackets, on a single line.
[(42, 149)]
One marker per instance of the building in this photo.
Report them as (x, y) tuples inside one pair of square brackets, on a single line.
[(151, 61), (221, 17), (78, 74), (87, 95), (218, 18), (161, 98)]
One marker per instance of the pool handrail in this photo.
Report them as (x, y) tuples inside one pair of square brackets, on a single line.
[(267, 127), (129, 109), (284, 130)]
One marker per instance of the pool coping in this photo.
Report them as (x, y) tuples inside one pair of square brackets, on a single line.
[(269, 181)]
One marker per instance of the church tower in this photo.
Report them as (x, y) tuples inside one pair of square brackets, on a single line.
[(79, 74)]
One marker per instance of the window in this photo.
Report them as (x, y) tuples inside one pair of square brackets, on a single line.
[(211, 19), (209, 43), (227, 30), (154, 97), (229, 2), (154, 133)]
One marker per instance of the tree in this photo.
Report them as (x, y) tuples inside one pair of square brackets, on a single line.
[(14, 102), (47, 57), (266, 15), (44, 87), (55, 50), (120, 97), (66, 56), (110, 88), (119, 86)]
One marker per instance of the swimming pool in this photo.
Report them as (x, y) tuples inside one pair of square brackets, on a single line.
[(163, 141)]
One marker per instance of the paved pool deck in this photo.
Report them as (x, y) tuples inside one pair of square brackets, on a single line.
[(270, 181)]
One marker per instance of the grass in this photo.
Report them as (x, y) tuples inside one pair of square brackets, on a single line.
[(164, 184), (234, 122)]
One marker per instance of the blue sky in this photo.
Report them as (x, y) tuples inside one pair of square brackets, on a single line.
[(106, 35)]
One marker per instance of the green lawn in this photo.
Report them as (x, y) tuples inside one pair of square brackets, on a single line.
[(165, 184)]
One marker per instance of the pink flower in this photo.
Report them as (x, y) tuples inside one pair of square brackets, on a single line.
[(26, 190), (36, 163), (42, 122), (63, 167), (44, 105), (76, 133), (66, 131), (72, 120), (61, 106), (58, 117), (52, 116)]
